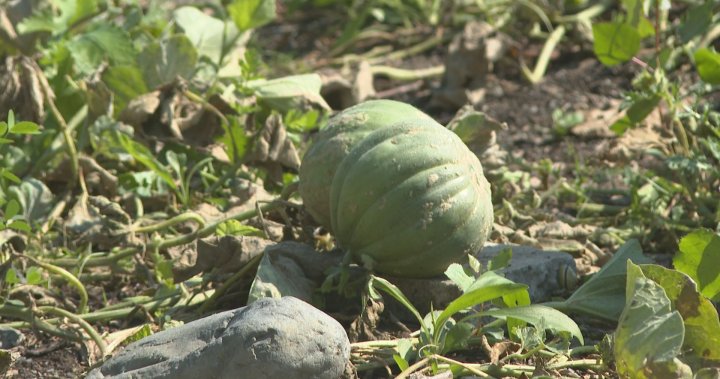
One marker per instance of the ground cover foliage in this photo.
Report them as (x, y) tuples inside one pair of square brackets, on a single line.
[(138, 138)]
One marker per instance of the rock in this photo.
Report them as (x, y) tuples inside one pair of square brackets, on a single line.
[(271, 338), (10, 337), (539, 269)]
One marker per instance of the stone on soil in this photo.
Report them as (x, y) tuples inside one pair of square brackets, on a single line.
[(271, 338)]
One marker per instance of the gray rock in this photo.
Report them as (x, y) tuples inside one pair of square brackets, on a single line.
[(271, 338), (10, 337), (547, 273), (541, 270)]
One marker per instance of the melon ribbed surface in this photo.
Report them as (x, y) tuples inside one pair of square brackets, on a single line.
[(334, 142), (409, 199)]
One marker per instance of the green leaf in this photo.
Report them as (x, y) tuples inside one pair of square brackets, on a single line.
[(702, 326), (234, 140), (39, 22), (500, 260), (34, 275), (126, 83), (540, 316), (379, 283), (487, 287), (638, 111), (35, 198), (699, 258), (162, 61), (236, 228), (210, 36), (248, 14), (11, 276), (457, 274), (289, 92), (90, 49), (25, 127), (143, 155), (9, 176), (696, 22), (20, 225), (650, 334), (72, 11), (12, 208), (615, 42), (708, 65), (603, 295)]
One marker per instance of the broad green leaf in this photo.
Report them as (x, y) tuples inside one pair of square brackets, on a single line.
[(210, 36), (289, 92), (696, 22), (249, 14), (699, 258), (90, 49), (11, 276), (457, 274), (25, 127), (4, 129), (126, 83), (487, 287), (39, 22), (615, 42), (649, 335), (540, 316), (457, 336), (35, 198), (702, 326), (72, 11), (163, 61), (377, 282), (603, 295), (708, 65)]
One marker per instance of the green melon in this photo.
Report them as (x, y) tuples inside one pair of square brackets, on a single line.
[(409, 199), (334, 142)]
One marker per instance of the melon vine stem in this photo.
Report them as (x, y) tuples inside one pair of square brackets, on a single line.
[(101, 259)]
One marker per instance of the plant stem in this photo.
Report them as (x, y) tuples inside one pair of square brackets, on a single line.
[(209, 303), (111, 258), (537, 74), (82, 323), (187, 216)]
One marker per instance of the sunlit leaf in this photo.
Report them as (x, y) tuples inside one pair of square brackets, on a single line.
[(12, 208), (126, 82), (163, 61), (603, 295), (90, 49), (25, 127), (708, 65), (287, 92), (615, 42), (699, 258), (650, 334), (34, 275), (210, 36), (248, 14), (702, 326), (540, 316), (487, 287)]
